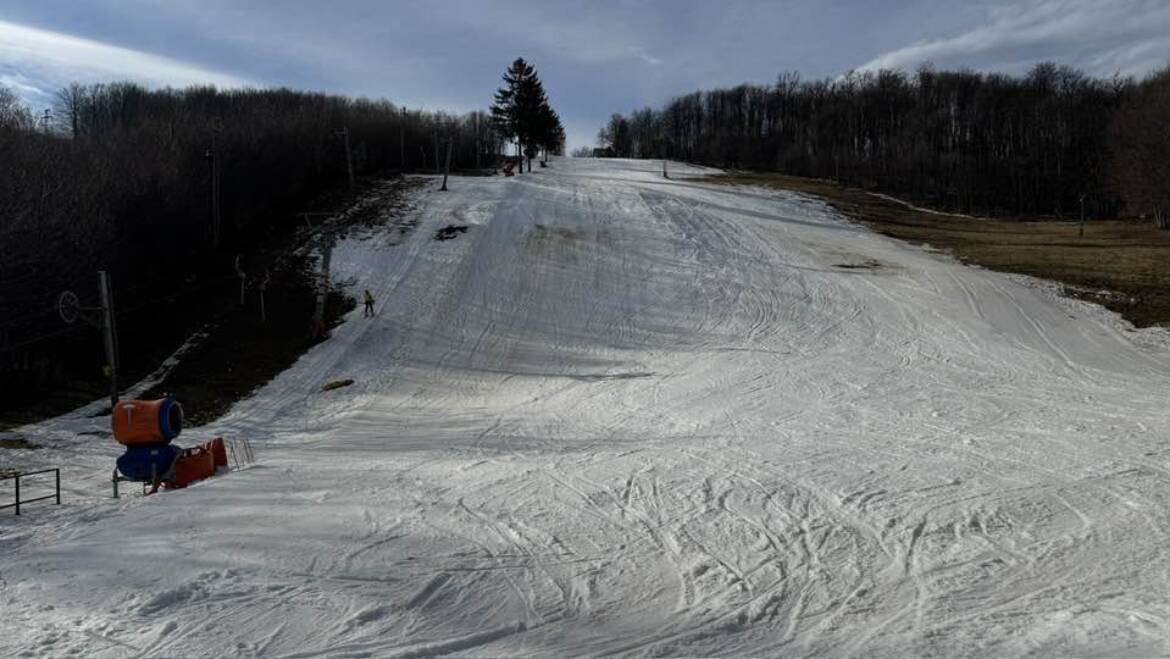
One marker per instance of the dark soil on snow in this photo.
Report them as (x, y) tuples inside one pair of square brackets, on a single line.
[(243, 353), (450, 231)]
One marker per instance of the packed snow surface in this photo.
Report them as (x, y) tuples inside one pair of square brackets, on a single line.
[(629, 415)]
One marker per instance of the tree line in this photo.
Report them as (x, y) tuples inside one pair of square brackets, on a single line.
[(122, 180), (1038, 144)]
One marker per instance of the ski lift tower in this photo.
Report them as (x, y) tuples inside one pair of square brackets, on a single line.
[(101, 317)]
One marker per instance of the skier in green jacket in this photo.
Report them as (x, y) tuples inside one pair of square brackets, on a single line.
[(369, 312)]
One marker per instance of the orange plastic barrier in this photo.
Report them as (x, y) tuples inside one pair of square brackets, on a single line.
[(194, 464), (138, 422), (218, 451)]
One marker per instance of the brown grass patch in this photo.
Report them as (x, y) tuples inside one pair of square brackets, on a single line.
[(543, 240)]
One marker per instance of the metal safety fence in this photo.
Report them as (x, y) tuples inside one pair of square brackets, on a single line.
[(17, 476)]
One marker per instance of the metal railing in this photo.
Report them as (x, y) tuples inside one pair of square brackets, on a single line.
[(240, 453), (18, 475)]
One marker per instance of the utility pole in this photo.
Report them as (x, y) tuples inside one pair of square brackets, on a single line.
[(344, 133), (318, 329), (213, 189), (211, 194), (110, 333), (243, 278), (402, 142), (213, 162), (475, 118), (263, 287), (447, 166)]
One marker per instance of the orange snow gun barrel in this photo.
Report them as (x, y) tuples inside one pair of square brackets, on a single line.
[(139, 422)]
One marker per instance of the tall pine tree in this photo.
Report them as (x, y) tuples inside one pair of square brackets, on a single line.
[(504, 113), (521, 111)]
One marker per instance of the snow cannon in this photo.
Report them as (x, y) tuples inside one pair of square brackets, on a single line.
[(147, 422), (146, 428), (148, 464)]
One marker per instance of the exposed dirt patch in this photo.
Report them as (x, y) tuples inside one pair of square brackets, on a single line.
[(211, 298), (612, 376), (867, 264), (243, 352), (12, 441), (384, 206), (1120, 264), (450, 231)]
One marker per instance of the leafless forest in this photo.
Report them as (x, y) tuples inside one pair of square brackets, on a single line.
[(1034, 145), (123, 179)]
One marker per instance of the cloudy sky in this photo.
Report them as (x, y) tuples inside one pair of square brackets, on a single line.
[(595, 56)]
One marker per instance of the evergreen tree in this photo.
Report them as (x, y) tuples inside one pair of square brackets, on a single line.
[(522, 112), (504, 111)]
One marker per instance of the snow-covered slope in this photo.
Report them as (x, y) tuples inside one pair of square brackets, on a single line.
[(629, 415)]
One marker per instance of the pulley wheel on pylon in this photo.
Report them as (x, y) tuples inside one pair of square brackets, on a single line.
[(68, 306)]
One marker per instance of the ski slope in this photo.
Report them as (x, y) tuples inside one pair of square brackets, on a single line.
[(636, 416)]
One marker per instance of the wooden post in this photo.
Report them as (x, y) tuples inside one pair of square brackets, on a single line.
[(664, 174), (1082, 233), (109, 333)]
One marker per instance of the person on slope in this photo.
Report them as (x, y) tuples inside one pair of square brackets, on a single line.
[(369, 312)]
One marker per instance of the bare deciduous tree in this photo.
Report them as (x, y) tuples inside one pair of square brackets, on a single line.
[(958, 139), (1141, 147)]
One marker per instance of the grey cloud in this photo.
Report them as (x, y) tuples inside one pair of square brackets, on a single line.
[(1126, 36), (35, 61), (596, 57)]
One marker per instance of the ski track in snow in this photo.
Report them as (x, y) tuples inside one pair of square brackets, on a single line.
[(635, 416)]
